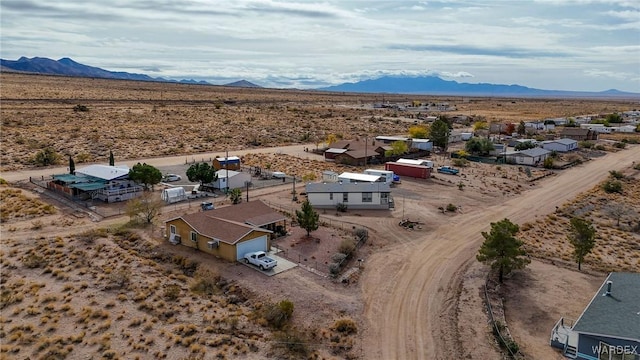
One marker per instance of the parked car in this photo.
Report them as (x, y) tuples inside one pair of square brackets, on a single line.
[(260, 259), (207, 205), (448, 170), (172, 177)]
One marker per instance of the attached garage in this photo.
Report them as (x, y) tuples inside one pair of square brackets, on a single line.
[(257, 244)]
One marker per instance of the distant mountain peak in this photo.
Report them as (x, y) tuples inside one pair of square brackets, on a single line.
[(243, 83)]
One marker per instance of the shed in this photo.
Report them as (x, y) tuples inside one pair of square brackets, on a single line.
[(229, 163), (422, 144), (235, 179), (173, 195)]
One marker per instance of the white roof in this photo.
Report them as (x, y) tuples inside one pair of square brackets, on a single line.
[(336, 151), (420, 140), (358, 177), (104, 172), (415, 162), (222, 173), (230, 158), (393, 138)]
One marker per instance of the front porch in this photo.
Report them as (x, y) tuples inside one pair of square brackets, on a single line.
[(564, 338)]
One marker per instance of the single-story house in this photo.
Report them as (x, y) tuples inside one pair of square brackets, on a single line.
[(228, 232), (362, 195), (231, 179), (532, 157), (609, 327), (229, 163), (356, 152), (624, 128), (102, 182), (560, 145), (455, 137), (578, 134), (422, 144), (349, 177), (391, 139)]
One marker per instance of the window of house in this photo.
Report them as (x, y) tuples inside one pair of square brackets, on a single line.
[(367, 197), (384, 198), (345, 197), (172, 229), (330, 196), (194, 236)]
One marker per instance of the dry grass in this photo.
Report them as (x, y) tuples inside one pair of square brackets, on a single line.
[(617, 246), (135, 119), (16, 204)]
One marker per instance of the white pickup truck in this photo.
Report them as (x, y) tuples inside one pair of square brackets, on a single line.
[(260, 259)]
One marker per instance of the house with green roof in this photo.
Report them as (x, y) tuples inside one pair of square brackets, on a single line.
[(609, 327), (101, 182)]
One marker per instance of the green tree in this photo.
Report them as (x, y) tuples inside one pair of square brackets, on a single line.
[(419, 132), (46, 157), (524, 145), (582, 237), (479, 146), (236, 196), (145, 174), (308, 218), (112, 161), (614, 118), (202, 172), (522, 129), (480, 125), (501, 249), (397, 148), (72, 166), (440, 132)]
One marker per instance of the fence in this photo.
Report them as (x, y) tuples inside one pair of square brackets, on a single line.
[(504, 343)]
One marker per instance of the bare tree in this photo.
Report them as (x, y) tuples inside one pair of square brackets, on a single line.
[(144, 208), (618, 211)]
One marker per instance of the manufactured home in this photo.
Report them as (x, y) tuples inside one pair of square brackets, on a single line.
[(349, 177), (362, 195)]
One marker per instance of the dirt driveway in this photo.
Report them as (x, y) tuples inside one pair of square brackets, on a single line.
[(410, 288)]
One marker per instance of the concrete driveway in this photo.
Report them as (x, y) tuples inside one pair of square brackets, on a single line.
[(283, 265)]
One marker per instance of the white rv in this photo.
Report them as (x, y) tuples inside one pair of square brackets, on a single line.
[(386, 175)]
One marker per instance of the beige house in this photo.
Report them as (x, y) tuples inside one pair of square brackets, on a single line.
[(228, 232)]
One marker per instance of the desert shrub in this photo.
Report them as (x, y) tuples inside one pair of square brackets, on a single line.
[(527, 171), (451, 207), (172, 292), (637, 166), (586, 144), (33, 261), (341, 207), (620, 145), (616, 174), (120, 279), (347, 246), (600, 147), (46, 157), (278, 315), (81, 108), (338, 257), (3, 182), (345, 325), (205, 282), (612, 186), (460, 162), (548, 163), (362, 234)]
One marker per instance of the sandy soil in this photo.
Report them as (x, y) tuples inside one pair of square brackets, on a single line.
[(418, 299)]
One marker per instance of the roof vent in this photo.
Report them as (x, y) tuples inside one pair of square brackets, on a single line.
[(608, 293)]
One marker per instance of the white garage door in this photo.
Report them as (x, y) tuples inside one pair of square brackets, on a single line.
[(258, 244)]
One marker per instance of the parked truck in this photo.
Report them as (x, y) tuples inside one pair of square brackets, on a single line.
[(448, 170), (260, 259)]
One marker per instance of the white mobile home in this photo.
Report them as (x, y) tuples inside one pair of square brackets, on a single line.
[(231, 179), (422, 144), (349, 177), (560, 145), (353, 195), (387, 175), (533, 157)]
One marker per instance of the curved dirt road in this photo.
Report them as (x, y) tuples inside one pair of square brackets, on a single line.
[(410, 289)]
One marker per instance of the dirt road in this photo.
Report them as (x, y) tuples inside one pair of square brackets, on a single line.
[(410, 289), (297, 150)]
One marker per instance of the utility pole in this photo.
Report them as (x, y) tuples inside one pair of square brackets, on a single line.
[(226, 168), (295, 198)]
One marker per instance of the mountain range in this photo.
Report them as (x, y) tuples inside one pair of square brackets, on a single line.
[(428, 85), (68, 67)]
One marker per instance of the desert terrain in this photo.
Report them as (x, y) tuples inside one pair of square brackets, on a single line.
[(415, 295)]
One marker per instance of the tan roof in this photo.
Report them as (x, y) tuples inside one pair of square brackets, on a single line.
[(574, 131), (255, 213), (227, 231)]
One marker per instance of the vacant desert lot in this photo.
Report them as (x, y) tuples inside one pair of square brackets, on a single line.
[(140, 119)]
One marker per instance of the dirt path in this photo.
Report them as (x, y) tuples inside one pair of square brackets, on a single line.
[(410, 288)]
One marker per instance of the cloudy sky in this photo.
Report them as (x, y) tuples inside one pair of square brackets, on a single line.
[(548, 44)]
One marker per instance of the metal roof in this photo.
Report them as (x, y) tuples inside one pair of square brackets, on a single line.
[(534, 152), (347, 187), (358, 177), (104, 172), (563, 141), (616, 315), (88, 186)]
